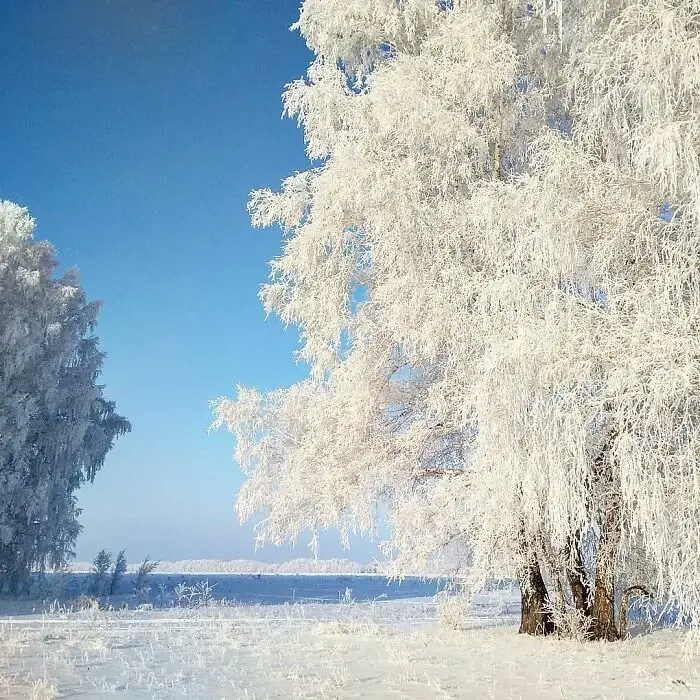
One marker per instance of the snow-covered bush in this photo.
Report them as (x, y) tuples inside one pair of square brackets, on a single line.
[(570, 623), (452, 609), (118, 571), (141, 587), (200, 594), (99, 580)]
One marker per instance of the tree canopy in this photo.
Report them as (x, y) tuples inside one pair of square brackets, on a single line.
[(493, 267), (56, 426)]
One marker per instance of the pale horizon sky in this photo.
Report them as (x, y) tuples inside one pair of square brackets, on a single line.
[(134, 130)]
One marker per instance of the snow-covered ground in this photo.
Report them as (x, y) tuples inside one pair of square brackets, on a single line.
[(380, 649)]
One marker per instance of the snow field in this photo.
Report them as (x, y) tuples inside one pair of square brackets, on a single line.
[(354, 650)]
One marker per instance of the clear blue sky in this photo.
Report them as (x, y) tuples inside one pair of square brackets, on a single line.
[(134, 131)]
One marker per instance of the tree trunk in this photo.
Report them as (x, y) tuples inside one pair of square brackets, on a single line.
[(535, 616), (603, 611), (576, 574)]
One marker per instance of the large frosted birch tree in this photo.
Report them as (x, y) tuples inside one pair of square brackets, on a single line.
[(492, 272)]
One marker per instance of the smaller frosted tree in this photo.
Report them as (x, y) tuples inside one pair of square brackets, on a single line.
[(56, 427)]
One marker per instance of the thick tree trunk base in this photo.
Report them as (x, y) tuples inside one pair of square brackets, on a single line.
[(580, 592), (603, 612), (535, 615), (604, 627)]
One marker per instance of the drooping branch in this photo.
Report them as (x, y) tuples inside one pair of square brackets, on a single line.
[(624, 607)]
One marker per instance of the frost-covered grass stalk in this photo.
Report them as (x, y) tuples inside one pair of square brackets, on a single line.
[(493, 267), (141, 587)]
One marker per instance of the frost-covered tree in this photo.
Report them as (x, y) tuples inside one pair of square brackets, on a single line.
[(497, 312), (624, 197), (56, 427), (422, 118)]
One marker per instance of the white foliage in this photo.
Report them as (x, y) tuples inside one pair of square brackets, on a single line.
[(485, 282), (55, 425)]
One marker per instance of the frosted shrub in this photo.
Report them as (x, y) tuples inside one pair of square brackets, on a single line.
[(572, 624), (205, 593), (182, 595), (162, 594), (146, 567), (87, 603), (452, 609), (141, 589), (117, 572), (347, 596), (198, 595), (100, 571)]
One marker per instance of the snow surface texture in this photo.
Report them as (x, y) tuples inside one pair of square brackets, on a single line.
[(379, 649)]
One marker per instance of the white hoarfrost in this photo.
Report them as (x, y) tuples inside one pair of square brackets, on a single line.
[(493, 267), (56, 427)]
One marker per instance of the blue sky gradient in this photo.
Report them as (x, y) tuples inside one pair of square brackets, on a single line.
[(134, 131)]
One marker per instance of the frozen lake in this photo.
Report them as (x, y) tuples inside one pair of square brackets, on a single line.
[(261, 589)]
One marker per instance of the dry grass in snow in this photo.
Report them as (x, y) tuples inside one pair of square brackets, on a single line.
[(375, 650)]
